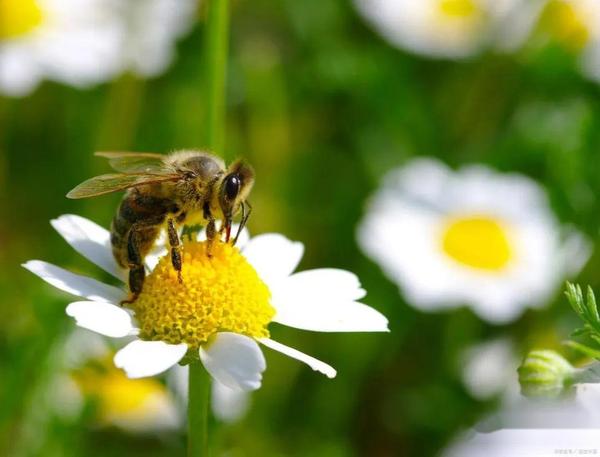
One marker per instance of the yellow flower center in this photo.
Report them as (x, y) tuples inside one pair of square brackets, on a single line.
[(563, 21), (120, 398), (19, 17), (218, 293), (479, 242), (457, 8)]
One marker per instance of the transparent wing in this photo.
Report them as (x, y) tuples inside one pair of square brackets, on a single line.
[(105, 184), (136, 162)]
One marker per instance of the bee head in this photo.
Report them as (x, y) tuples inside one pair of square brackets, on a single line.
[(234, 190)]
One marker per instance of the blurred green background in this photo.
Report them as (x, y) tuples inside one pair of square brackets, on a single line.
[(322, 107)]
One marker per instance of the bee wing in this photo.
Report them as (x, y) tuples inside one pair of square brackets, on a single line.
[(136, 162), (105, 184)]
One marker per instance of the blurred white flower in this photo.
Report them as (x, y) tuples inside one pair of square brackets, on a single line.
[(450, 29), (221, 314), (85, 42), (537, 428), (153, 26), (133, 405), (474, 237), (490, 369)]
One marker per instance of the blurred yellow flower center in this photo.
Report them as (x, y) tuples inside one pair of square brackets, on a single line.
[(121, 397), (478, 242), (19, 17), (566, 24), (458, 8), (219, 293)]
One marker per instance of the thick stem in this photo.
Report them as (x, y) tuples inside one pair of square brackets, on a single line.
[(215, 55), (198, 400)]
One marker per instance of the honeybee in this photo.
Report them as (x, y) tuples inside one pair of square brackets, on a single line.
[(168, 190)]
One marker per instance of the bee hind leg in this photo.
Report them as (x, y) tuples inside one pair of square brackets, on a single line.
[(175, 248)]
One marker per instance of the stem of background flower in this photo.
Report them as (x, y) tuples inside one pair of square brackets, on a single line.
[(215, 55), (198, 400)]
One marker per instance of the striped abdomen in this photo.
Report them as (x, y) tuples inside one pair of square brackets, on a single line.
[(143, 213)]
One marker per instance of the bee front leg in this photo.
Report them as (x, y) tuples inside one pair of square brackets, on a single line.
[(137, 273), (211, 229), (211, 234), (175, 248)]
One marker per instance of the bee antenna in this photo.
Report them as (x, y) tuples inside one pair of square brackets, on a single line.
[(245, 216)]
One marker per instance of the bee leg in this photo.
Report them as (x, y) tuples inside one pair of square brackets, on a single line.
[(211, 234), (246, 210), (175, 248), (211, 229), (137, 273)]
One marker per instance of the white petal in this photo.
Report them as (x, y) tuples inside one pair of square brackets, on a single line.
[(323, 300), (325, 284), (90, 240), (273, 256), (140, 358), (81, 286), (234, 360), (315, 364), (331, 317), (228, 405), (103, 318)]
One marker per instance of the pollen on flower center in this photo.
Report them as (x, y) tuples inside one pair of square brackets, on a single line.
[(479, 242), (219, 293), (19, 17)]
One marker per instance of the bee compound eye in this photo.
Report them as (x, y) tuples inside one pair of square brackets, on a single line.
[(232, 186)]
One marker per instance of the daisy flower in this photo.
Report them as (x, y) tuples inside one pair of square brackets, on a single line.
[(451, 29), (133, 405), (85, 42), (473, 237), (221, 311), (152, 29)]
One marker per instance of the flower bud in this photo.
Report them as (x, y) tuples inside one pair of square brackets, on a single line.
[(544, 373)]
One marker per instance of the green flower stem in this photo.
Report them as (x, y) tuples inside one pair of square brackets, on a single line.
[(198, 400), (215, 55)]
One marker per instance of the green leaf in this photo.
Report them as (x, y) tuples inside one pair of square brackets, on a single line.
[(586, 309), (580, 332), (582, 348)]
